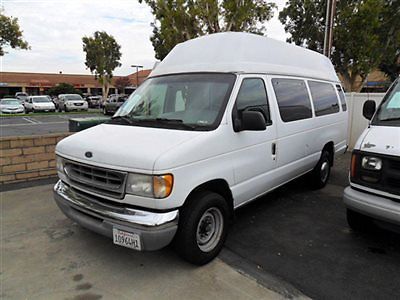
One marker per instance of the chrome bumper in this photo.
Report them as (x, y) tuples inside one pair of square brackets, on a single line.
[(377, 207), (155, 229)]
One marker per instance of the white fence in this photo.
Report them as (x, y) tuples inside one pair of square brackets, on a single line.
[(357, 123)]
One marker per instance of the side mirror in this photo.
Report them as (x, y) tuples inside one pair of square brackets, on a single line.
[(252, 120), (369, 109)]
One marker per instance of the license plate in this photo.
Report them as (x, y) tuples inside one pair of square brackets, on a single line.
[(126, 239), (78, 104)]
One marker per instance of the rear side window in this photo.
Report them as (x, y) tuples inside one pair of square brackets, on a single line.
[(324, 98), (293, 100), (252, 95), (342, 97)]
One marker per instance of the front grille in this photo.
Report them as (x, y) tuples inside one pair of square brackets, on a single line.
[(387, 179), (100, 180)]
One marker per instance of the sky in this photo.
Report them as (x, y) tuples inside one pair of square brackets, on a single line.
[(54, 30)]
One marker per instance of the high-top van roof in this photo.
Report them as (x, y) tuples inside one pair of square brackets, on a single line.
[(247, 53)]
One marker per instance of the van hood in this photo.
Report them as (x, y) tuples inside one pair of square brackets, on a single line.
[(382, 139), (122, 147)]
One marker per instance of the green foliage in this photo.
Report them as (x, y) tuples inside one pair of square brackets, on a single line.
[(390, 38), (10, 34), (63, 88), (179, 20), (121, 83), (358, 38), (102, 57)]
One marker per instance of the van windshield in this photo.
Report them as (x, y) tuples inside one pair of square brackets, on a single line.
[(388, 113), (185, 101)]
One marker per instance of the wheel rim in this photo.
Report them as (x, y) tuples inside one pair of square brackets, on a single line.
[(324, 171), (209, 229)]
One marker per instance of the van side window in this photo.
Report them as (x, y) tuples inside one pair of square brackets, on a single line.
[(324, 98), (252, 95), (342, 97), (293, 100)]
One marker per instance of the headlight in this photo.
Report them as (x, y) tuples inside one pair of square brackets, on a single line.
[(371, 163), (60, 165), (157, 186)]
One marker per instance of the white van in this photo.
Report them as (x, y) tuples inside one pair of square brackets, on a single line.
[(221, 121), (374, 191)]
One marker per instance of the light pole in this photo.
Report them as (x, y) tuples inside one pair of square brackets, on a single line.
[(137, 73), (329, 23)]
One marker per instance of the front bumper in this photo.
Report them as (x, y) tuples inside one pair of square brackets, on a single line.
[(156, 230), (375, 206), (12, 111)]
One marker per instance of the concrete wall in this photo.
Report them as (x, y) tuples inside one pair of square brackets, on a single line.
[(28, 158), (357, 123)]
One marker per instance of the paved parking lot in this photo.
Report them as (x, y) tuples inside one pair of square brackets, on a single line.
[(294, 242), (44, 255), (37, 124), (302, 237)]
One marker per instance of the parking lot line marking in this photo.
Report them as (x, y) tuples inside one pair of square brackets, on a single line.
[(31, 124), (31, 121)]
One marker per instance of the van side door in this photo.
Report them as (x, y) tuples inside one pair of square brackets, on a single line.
[(294, 126), (254, 158)]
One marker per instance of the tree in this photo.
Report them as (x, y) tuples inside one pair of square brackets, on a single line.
[(10, 34), (390, 38), (179, 20), (357, 47), (102, 57), (63, 88), (121, 83)]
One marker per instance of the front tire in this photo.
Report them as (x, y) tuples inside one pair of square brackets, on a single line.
[(321, 172), (203, 226)]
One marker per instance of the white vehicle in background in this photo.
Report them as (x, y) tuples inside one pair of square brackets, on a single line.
[(11, 106), (221, 121), (374, 191), (39, 104), (70, 102), (21, 96)]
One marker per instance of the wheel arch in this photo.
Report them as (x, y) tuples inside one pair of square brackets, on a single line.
[(330, 148), (219, 186)]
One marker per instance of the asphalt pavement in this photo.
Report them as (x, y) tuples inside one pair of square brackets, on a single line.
[(38, 124), (301, 236)]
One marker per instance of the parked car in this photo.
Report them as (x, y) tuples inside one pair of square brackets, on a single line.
[(69, 102), (374, 191), (196, 141), (93, 101), (39, 103), (11, 106), (21, 96), (113, 103)]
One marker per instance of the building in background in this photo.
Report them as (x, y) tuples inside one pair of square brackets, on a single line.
[(39, 83)]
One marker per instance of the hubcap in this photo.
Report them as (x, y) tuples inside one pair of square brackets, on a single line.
[(209, 229), (324, 171)]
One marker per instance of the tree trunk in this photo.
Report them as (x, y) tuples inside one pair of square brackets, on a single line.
[(350, 82)]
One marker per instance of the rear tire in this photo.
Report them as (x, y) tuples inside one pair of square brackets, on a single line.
[(321, 172), (358, 222), (202, 229)]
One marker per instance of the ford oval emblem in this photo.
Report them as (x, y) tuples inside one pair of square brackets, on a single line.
[(88, 154)]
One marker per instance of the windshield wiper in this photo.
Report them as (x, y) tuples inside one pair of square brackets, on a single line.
[(123, 118), (390, 119)]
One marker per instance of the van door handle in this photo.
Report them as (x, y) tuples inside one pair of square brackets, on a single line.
[(273, 150)]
